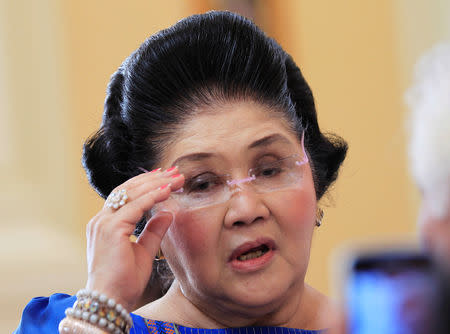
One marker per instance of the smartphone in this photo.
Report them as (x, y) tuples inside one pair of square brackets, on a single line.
[(390, 292)]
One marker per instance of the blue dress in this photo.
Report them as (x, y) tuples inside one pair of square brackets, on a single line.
[(43, 314)]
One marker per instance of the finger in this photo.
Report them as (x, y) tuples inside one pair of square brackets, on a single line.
[(137, 180), (123, 221), (154, 231), (133, 211), (176, 181), (135, 190), (146, 177)]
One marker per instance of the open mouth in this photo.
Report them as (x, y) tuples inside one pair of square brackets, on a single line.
[(254, 253), (253, 250)]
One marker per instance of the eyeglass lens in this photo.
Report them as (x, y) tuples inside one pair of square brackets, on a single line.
[(211, 189)]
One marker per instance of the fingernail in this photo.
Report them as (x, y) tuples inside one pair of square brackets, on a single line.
[(164, 186), (175, 176), (171, 169), (143, 170), (156, 170)]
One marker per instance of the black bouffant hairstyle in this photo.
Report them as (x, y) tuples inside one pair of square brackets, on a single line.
[(203, 60), (199, 61)]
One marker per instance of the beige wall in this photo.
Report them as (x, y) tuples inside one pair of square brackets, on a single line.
[(55, 61), (39, 242)]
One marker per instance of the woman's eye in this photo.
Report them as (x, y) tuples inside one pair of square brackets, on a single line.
[(270, 171), (202, 183)]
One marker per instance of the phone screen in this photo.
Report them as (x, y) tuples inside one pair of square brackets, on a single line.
[(391, 293)]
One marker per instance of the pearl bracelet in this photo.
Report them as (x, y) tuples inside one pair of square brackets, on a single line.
[(97, 309), (75, 326)]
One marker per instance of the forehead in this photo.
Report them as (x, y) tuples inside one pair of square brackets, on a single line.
[(228, 130)]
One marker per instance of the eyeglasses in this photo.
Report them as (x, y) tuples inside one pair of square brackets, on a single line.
[(208, 189)]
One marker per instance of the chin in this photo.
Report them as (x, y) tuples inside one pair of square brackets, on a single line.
[(255, 306), (262, 301), (263, 297)]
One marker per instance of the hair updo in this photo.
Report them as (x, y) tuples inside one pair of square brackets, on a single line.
[(202, 59), (199, 61)]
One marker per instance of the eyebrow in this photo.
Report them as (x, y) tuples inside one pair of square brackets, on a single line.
[(193, 157), (263, 142), (268, 140)]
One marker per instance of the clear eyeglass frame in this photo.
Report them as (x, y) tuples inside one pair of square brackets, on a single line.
[(290, 175)]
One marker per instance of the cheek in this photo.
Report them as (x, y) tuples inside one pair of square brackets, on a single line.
[(191, 234), (296, 207), (295, 213)]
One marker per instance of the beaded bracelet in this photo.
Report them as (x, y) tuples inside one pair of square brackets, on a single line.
[(75, 326), (98, 310)]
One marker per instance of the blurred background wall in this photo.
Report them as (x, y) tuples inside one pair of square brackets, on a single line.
[(55, 61)]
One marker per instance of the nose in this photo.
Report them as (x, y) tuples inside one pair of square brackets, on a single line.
[(245, 207)]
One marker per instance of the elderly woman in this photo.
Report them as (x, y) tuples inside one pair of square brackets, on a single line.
[(210, 146)]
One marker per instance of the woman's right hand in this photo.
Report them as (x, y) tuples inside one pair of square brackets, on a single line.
[(118, 267)]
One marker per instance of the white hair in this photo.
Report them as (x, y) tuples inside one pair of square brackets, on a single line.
[(429, 123)]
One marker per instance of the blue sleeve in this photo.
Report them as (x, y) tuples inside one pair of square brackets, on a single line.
[(43, 314)]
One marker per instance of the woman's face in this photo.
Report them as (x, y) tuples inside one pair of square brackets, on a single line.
[(204, 246)]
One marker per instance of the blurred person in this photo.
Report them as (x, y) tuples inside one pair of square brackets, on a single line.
[(429, 147), (210, 145), (429, 152), (428, 123)]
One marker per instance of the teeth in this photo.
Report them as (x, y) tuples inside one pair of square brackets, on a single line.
[(251, 255)]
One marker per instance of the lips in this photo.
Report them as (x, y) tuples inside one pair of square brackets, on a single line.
[(252, 255)]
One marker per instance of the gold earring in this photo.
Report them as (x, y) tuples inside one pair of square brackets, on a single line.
[(319, 217), (159, 255)]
